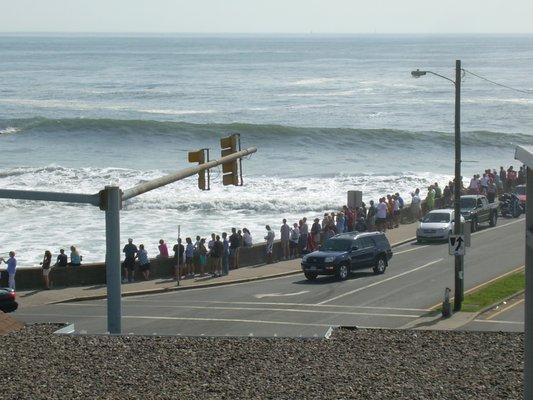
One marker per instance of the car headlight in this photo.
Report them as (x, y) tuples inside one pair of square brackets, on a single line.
[(329, 259), (304, 258)]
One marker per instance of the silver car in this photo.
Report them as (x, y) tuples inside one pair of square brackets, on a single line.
[(436, 225)]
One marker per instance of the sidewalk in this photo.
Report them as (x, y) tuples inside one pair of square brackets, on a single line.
[(31, 298)]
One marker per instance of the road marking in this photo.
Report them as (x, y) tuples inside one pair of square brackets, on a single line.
[(380, 282), (407, 251), (260, 296), (483, 284), (293, 310), (505, 309), (492, 321), (131, 299)]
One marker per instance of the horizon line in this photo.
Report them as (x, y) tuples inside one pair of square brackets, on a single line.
[(309, 33)]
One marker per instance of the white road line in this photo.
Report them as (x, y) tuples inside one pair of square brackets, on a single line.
[(492, 321), (407, 251), (261, 303), (293, 310), (260, 296), (380, 282)]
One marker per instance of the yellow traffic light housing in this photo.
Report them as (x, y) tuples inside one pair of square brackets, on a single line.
[(201, 157), (231, 171)]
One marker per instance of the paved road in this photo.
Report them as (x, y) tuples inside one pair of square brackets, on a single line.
[(292, 306), (507, 317)]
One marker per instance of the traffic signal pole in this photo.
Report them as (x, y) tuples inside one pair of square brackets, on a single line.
[(184, 173)]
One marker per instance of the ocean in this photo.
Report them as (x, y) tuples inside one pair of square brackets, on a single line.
[(327, 113)]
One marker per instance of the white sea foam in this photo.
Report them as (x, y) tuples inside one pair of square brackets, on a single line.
[(9, 130), (312, 81), (177, 112), (265, 199)]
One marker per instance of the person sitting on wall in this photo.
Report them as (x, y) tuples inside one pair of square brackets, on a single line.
[(75, 257)]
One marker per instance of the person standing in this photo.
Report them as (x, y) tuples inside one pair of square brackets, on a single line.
[(304, 232), (511, 178), (216, 255), (503, 178), (46, 265), (341, 222), (371, 216), (416, 206), (144, 262), (130, 251), (294, 241), (233, 248), (269, 243), (163, 249), (202, 254), (381, 215), (11, 268), (285, 232), (430, 199), (189, 258), (225, 254), (396, 211), (179, 262), (315, 233), (246, 237)]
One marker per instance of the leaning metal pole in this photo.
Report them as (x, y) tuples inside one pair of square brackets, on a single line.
[(459, 272), (113, 204)]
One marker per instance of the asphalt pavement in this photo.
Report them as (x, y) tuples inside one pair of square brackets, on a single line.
[(292, 306)]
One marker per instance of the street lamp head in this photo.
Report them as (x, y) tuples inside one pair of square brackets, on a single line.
[(418, 73)]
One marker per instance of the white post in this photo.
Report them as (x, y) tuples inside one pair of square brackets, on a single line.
[(113, 202)]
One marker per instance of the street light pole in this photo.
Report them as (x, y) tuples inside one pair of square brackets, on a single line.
[(459, 260)]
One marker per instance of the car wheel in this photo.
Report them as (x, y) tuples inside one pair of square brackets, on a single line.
[(380, 266), (493, 220), (342, 272), (311, 276), (418, 240)]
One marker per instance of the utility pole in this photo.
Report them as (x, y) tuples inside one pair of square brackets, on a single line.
[(459, 260)]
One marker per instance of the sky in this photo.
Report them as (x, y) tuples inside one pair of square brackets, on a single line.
[(267, 16)]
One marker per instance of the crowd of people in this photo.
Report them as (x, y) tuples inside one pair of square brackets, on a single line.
[(220, 254)]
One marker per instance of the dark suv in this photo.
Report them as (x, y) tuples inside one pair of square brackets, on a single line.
[(346, 252)]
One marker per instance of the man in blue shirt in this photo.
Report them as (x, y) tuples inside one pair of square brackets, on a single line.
[(11, 268)]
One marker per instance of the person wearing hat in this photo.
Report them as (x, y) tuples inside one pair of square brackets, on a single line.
[(315, 233)]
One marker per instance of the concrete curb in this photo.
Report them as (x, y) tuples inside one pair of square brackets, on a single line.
[(200, 286)]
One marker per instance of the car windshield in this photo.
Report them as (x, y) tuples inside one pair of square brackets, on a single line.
[(437, 217), (337, 245), (468, 202), (520, 190)]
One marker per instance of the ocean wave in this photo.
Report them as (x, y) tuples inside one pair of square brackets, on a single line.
[(262, 133), (8, 129)]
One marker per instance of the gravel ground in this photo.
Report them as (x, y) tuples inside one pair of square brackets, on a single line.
[(361, 364)]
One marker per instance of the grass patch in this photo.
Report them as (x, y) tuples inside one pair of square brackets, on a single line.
[(494, 292)]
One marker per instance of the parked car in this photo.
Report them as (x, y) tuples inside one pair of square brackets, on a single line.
[(477, 210), (436, 225), (7, 300), (347, 252)]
